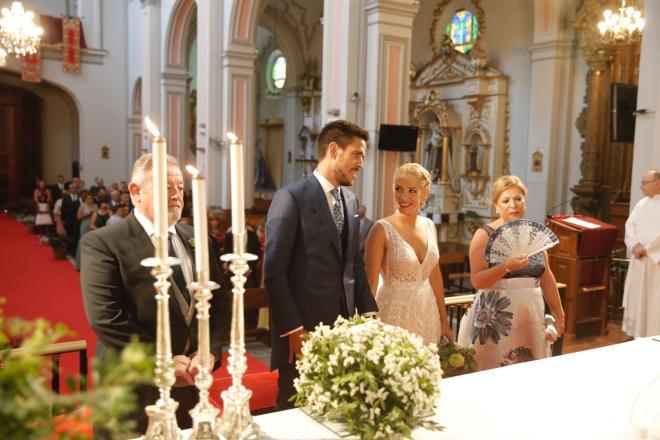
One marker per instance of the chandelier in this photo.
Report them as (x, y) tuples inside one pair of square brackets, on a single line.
[(18, 33), (624, 27)]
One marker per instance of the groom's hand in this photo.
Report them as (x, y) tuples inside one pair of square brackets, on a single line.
[(295, 344)]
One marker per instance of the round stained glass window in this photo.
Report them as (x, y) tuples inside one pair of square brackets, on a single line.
[(463, 29)]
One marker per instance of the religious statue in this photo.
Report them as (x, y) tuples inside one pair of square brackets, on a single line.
[(432, 152)]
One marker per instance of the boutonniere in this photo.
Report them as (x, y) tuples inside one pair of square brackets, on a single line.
[(191, 242)]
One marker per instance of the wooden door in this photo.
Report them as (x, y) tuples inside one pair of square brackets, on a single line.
[(20, 143)]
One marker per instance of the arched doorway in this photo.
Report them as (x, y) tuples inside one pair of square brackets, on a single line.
[(40, 132)]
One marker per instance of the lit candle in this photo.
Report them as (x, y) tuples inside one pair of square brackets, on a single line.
[(200, 222), (159, 172), (237, 194)]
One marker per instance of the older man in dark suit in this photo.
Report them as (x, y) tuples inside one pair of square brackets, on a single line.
[(118, 292), (313, 269)]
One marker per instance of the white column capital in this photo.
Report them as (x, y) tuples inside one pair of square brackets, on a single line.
[(408, 8), (555, 49)]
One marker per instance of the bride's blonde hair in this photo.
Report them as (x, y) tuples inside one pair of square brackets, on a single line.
[(416, 170)]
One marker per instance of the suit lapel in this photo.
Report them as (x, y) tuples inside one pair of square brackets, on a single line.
[(146, 249), (320, 205)]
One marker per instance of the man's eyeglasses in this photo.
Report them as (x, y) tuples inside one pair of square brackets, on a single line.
[(644, 182)]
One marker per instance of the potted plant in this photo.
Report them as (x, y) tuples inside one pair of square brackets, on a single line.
[(58, 243)]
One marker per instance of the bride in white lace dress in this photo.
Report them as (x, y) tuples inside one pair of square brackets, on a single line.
[(404, 249)]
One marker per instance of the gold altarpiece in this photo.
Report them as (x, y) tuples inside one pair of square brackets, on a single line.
[(604, 165), (461, 106)]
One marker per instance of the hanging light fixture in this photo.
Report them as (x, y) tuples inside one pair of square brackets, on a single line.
[(18, 33), (624, 27)]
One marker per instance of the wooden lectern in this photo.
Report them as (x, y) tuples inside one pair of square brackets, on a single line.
[(581, 260)]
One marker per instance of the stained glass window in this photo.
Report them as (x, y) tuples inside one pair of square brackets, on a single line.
[(278, 72), (463, 29)]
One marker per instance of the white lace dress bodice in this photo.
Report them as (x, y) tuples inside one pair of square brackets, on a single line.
[(406, 298)]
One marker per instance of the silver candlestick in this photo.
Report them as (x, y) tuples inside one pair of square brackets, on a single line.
[(236, 421), (204, 413), (162, 415)]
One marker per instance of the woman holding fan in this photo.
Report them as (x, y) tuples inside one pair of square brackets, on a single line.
[(509, 267)]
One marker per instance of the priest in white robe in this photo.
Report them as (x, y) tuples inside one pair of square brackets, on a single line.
[(641, 297)]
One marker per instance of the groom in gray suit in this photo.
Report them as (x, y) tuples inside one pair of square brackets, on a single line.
[(313, 269)]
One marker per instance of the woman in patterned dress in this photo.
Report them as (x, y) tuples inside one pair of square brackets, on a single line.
[(505, 324), (403, 248)]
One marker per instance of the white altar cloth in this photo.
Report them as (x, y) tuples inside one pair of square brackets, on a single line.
[(585, 395)]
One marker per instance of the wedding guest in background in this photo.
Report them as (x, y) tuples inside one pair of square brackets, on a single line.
[(115, 198), (313, 269), (70, 205), (126, 200), (57, 214), (505, 324), (403, 247), (217, 228), (101, 216), (118, 212), (43, 221), (57, 188), (85, 212), (253, 276)]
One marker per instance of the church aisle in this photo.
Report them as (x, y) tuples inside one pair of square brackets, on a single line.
[(36, 285)]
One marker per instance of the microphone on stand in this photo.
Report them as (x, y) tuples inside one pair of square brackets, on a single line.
[(547, 214)]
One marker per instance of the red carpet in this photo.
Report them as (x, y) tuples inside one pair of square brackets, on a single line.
[(36, 285)]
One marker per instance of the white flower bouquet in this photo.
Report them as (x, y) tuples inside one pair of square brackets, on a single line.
[(380, 380)]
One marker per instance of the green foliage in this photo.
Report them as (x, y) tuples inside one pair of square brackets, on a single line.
[(27, 405), (456, 360)]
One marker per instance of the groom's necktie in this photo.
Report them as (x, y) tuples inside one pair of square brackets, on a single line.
[(177, 272), (338, 210)]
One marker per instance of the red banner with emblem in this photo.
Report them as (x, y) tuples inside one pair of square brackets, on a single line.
[(31, 67), (71, 44)]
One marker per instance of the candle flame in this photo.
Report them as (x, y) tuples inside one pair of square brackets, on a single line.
[(151, 127), (192, 170), (232, 137)]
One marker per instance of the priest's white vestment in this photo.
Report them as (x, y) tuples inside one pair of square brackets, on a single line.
[(641, 297)]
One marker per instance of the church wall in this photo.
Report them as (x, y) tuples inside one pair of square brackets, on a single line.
[(508, 35), (98, 93)]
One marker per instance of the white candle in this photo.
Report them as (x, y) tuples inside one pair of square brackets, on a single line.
[(159, 173), (237, 194), (201, 228)]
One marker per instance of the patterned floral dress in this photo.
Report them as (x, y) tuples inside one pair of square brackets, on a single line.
[(505, 324), (406, 298)]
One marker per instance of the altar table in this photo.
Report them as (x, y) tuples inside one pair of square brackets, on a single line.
[(585, 395)]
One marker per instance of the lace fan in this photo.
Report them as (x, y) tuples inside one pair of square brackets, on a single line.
[(519, 237)]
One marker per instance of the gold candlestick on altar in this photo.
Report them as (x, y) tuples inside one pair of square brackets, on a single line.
[(236, 421), (203, 414), (162, 415)]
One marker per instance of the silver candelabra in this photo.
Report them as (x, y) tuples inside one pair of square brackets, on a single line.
[(236, 421), (162, 415), (204, 413)]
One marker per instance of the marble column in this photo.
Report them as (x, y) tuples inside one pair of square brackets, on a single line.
[(387, 89), (552, 66), (646, 153), (238, 91), (151, 64)]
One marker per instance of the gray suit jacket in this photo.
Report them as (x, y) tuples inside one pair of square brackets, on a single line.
[(310, 277), (365, 227)]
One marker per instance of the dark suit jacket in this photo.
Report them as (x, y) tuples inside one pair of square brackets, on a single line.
[(310, 277), (118, 295), (365, 227), (69, 215)]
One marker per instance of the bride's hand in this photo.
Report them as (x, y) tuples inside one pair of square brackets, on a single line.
[(447, 332)]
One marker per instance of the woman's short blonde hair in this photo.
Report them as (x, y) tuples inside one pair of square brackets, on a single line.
[(507, 182), (417, 170)]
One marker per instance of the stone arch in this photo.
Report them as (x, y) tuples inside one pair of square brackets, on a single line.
[(289, 43), (136, 97), (245, 17), (182, 21), (60, 128)]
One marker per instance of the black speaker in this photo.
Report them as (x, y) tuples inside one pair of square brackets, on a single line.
[(397, 137), (623, 103)]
